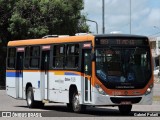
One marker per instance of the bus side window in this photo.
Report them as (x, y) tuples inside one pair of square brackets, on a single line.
[(34, 57), (72, 56), (11, 58), (58, 56)]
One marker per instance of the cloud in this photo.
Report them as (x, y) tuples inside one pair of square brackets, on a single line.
[(92, 7), (153, 19), (144, 13)]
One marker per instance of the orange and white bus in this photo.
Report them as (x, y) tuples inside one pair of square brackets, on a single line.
[(85, 70)]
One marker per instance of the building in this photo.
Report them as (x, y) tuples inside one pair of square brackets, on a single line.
[(155, 48)]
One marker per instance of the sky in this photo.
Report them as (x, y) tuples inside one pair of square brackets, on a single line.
[(145, 16)]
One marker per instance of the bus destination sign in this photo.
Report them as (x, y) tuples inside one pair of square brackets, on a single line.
[(113, 41)]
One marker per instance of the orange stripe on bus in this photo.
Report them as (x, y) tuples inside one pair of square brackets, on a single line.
[(23, 70), (52, 40)]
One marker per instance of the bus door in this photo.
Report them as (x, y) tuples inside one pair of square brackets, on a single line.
[(19, 72), (87, 70), (44, 72)]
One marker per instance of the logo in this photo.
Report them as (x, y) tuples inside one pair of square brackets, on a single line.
[(21, 114), (67, 79), (6, 114)]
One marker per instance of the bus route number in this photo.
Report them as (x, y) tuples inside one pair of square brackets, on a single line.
[(104, 41)]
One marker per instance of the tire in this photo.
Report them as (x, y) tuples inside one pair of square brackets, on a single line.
[(69, 106), (30, 99), (125, 109), (75, 105)]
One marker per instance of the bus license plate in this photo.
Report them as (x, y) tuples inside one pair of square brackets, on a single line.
[(126, 102)]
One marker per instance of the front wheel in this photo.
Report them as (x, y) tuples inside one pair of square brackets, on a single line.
[(125, 109), (76, 106)]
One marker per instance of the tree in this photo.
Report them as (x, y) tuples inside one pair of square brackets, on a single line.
[(36, 18), (26, 19), (6, 7)]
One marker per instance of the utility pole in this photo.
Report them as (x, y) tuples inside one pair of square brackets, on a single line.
[(130, 17), (103, 8)]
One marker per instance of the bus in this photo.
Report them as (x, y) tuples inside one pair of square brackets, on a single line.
[(84, 70)]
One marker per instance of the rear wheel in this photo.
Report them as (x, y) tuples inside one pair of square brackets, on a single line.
[(30, 99), (125, 109)]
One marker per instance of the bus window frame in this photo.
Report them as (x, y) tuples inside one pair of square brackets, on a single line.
[(72, 55), (11, 68), (53, 57), (26, 68), (31, 57), (36, 57), (65, 55)]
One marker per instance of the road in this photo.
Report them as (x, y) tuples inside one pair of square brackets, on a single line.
[(60, 110)]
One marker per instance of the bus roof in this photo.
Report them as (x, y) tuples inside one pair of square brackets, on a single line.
[(68, 39), (51, 40)]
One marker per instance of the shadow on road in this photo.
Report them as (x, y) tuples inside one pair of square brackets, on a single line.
[(63, 111)]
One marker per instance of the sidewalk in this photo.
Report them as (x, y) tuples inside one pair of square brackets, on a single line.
[(156, 79), (156, 90)]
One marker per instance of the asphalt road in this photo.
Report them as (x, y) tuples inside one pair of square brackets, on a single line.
[(19, 107)]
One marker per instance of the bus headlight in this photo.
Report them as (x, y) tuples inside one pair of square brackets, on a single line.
[(149, 90), (100, 90)]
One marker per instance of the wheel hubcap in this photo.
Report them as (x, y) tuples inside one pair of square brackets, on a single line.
[(29, 98), (76, 102)]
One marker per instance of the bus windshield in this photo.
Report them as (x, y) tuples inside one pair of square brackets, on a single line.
[(127, 67)]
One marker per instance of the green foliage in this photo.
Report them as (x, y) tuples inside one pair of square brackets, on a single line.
[(6, 7), (26, 19), (23, 19)]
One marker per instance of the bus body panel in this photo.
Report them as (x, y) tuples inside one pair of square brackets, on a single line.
[(11, 86), (33, 77), (59, 84), (57, 94), (14, 84)]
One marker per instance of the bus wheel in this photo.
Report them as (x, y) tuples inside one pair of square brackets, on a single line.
[(69, 106), (125, 109), (30, 98), (76, 106)]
